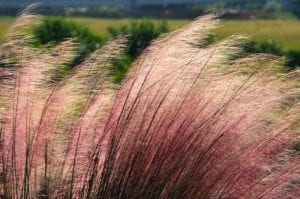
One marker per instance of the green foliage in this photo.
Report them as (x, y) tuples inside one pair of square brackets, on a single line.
[(120, 68), (268, 46), (293, 57), (140, 34), (272, 47), (54, 30)]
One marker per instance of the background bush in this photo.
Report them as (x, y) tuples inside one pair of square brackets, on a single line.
[(293, 57), (267, 46), (139, 34), (272, 47), (54, 30)]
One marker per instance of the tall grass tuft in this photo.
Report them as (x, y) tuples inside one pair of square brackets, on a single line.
[(191, 120)]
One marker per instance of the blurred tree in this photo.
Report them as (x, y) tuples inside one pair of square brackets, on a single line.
[(272, 6)]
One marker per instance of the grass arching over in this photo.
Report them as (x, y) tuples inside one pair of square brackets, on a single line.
[(187, 120)]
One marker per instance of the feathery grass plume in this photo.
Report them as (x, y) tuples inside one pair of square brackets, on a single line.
[(42, 112), (22, 118), (11, 51), (50, 111), (76, 109), (185, 127), (187, 122), (28, 91), (18, 35)]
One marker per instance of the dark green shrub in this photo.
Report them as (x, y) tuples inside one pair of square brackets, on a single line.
[(53, 30), (293, 57), (267, 46), (272, 47), (140, 34), (120, 68)]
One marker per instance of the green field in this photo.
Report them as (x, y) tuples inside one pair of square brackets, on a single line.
[(285, 32)]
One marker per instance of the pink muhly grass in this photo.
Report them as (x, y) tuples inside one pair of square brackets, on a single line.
[(187, 122)]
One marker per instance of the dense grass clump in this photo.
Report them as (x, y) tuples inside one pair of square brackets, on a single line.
[(187, 121)]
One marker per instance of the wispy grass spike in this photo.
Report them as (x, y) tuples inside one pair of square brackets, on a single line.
[(192, 119)]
